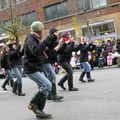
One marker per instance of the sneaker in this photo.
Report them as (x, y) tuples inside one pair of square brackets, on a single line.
[(43, 116), (49, 97), (82, 80), (57, 98), (73, 89), (4, 88), (21, 94), (91, 80), (62, 86)]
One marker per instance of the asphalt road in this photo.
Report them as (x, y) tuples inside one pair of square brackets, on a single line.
[(99, 100)]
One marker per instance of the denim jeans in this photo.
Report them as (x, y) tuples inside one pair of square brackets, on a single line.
[(9, 74), (86, 66), (101, 62), (18, 73), (68, 68), (50, 72), (43, 83)]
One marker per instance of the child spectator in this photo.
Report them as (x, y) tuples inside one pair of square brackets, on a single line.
[(101, 60), (109, 59)]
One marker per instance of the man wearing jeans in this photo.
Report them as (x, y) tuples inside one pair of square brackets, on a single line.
[(49, 62), (16, 65), (34, 53), (84, 48)]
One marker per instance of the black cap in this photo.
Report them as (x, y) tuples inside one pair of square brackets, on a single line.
[(52, 30)]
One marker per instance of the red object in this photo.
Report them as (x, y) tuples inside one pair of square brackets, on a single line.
[(67, 40)]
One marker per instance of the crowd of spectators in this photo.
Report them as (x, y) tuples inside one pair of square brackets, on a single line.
[(106, 53)]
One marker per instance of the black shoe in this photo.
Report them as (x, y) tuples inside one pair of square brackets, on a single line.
[(57, 98), (4, 88), (62, 86), (82, 80), (35, 109), (15, 92), (21, 94), (43, 116), (49, 97), (73, 89), (91, 80)]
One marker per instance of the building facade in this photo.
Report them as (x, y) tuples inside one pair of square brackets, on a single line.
[(96, 19)]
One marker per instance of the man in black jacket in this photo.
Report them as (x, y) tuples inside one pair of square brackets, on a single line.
[(49, 62), (34, 53), (84, 48)]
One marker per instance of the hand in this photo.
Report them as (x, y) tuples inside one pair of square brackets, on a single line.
[(72, 39), (61, 42)]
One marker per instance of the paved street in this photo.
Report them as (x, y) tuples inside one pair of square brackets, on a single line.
[(94, 101)]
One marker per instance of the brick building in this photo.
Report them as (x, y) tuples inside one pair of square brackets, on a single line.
[(99, 19)]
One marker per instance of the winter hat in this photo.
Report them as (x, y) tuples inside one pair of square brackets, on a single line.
[(37, 26), (65, 34), (52, 30)]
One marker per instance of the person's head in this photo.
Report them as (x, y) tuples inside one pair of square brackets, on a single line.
[(103, 41), (66, 36), (118, 41), (37, 27), (53, 31), (83, 40), (109, 42)]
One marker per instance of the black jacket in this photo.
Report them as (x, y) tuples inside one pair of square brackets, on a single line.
[(65, 52), (15, 57), (5, 62), (51, 53), (34, 54), (84, 48)]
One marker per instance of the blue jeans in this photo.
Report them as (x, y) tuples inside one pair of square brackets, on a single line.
[(50, 72), (9, 74), (86, 66), (43, 83), (18, 73), (101, 62)]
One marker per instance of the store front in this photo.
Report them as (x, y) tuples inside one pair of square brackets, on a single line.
[(101, 31)]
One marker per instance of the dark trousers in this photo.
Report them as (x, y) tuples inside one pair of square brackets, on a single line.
[(69, 76)]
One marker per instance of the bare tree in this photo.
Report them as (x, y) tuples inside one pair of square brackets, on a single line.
[(13, 12)]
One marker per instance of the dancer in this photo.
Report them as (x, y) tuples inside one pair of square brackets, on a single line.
[(84, 48), (64, 61), (5, 63), (51, 52), (16, 65), (34, 53)]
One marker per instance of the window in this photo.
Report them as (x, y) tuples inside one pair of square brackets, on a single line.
[(7, 23), (28, 18), (4, 4), (100, 29), (84, 4), (98, 3), (56, 11), (89, 4), (20, 1)]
